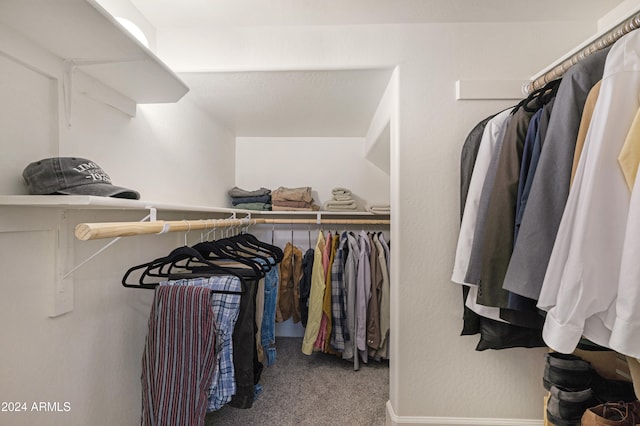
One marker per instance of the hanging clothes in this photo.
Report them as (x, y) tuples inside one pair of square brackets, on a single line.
[(385, 297), (468, 157), (469, 249), (186, 357), (324, 335), (225, 307), (316, 296), (588, 248), (373, 305), (550, 187), (585, 121), (289, 288), (351, 284), (363, 294), (340, 329), (305, 285)]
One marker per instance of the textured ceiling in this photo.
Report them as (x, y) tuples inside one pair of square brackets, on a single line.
[(181, 13)]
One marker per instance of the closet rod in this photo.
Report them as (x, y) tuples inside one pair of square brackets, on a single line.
[(600, 43), (94, 231)]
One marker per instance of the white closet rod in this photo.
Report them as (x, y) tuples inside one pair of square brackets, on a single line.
[(94, 231), (600, 43)]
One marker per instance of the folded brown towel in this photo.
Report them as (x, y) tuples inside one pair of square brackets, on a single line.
[(292, 194)]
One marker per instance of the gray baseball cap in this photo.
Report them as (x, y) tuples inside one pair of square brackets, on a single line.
[(72, 176)]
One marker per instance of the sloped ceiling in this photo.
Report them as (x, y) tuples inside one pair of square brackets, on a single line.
[(325, 103), (316, 103)]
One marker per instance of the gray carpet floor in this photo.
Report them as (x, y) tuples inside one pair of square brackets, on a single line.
[(319, 389)]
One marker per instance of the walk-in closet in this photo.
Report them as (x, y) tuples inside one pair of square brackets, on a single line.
[(176, 111)]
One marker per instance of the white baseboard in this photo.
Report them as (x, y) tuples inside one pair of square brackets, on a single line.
[(395, 420)]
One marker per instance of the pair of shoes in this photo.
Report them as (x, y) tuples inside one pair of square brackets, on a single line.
[(572, 373), (612, 414), (575, 386)]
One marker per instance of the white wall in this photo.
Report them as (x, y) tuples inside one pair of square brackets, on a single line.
[(90, 358), (435, 374), (321, 163)]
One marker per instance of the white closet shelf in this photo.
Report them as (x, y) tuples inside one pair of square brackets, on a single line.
[(82, 32), (110, 203), (305, 214), (105, 203)]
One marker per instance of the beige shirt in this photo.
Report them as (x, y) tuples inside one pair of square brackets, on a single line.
[(629, 157), (315, 298), (587, 113)]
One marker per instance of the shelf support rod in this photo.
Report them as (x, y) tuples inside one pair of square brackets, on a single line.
[(152, 218)]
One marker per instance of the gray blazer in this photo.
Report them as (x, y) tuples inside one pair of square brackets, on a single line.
[(550, 187)]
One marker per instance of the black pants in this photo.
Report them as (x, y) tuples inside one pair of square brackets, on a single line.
[(245, 355)]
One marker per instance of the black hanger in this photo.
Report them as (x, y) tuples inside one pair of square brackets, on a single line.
[(154, 268), (219, 250), (250, 240), (538, 97)]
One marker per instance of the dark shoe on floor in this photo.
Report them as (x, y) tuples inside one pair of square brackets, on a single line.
[(566, 371), (565, 408), (608, 390)]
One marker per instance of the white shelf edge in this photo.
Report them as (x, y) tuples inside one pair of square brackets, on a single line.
[(114, 57), (110, 203), (94, 202), (327, 213)]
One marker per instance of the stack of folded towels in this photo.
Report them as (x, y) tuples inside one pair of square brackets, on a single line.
[(341, 201), (260, 199), (287, 199), (379, 208)]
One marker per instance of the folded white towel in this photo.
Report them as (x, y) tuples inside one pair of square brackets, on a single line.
[(341, 191), (379, 208), (336, 205)]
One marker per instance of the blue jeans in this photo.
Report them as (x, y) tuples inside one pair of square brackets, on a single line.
[(268, 330)]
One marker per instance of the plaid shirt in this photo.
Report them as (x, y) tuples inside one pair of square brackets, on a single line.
[(339, 331), (226, 308)]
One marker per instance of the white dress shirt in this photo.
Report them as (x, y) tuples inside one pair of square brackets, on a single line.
[(581, 282), (625, 335)]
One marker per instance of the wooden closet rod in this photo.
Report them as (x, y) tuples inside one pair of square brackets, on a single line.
[(94, 231), (600, 43)]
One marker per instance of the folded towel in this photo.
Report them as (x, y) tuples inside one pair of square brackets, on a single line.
[(292, 194), (341, 209), (298, 204), (379, 208), (335, 205), (341, 192), (254, 206), (277, 208), (258, 199), (342, 197), (239, 192)]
